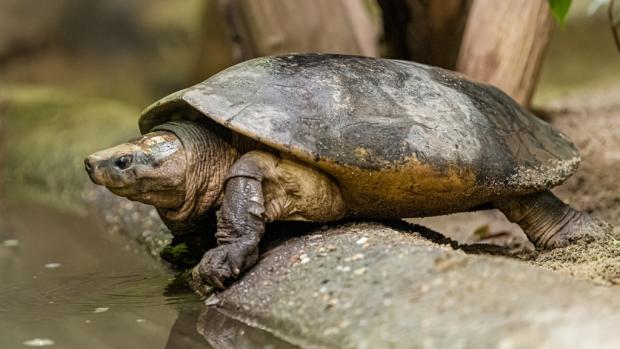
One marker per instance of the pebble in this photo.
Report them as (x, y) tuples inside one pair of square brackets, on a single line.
[(53, 265), (357, 256), (331, 331), (359, 271), (362, 240), (344, 269), (304, 259), (212, 300), (101, 310), (332, 302), (11, 243), (39, 342)]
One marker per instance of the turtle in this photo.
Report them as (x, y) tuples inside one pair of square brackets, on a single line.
[(326, 137)]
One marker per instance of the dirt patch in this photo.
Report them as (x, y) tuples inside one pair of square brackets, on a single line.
[(592, 123), (595, 130), (598, 262)]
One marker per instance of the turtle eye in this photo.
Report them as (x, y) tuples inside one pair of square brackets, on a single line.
[(123, 162)]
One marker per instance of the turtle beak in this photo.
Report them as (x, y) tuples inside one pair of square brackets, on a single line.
[(110, 167), (91, 165)]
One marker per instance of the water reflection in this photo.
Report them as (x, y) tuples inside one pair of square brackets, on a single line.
[(219, 331)]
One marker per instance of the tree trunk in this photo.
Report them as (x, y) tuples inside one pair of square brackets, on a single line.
[(425, 31), (215, 49), (2, 152), (268, 27), (504, 44)]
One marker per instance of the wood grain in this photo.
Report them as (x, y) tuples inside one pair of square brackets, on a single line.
[(425, 31), (268, 27), (504, 44)]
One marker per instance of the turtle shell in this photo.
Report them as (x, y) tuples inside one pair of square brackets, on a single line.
[(391, 132)]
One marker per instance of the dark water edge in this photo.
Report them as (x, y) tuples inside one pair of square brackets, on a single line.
[(66, 282)]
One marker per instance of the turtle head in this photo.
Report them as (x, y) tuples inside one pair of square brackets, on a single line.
[(150, 169)]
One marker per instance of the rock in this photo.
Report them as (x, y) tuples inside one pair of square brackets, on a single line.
[(416, 294), (138, 222)]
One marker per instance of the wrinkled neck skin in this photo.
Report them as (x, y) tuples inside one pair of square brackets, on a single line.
[(208, 158)]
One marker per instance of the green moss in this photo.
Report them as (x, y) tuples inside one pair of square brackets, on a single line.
[(180, 255), (48, 134)]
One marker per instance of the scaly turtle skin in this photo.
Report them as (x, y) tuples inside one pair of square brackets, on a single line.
[(321, 137)]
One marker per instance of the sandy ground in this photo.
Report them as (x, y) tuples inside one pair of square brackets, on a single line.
[(593, 123)]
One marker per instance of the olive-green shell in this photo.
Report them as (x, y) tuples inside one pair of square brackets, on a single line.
[(426, 128)]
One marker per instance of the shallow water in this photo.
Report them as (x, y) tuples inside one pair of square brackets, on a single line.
[(67, 283)]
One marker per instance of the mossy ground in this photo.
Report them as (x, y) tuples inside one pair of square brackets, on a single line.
[(47, 134)]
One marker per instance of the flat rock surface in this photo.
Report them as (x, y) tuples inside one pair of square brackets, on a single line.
[(374, 286)]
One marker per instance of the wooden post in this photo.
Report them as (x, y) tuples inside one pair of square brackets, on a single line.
[(267, 27), (504, 44), (215, 49), (424, 31), (2, 153)]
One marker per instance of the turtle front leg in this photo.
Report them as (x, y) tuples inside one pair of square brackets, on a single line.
[(239, 229), (260, 188), (550, 223)]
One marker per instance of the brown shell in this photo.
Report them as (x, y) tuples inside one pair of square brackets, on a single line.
[(391, 132)]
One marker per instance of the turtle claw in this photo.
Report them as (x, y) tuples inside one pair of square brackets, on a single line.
[(215, 267), (222, 264)]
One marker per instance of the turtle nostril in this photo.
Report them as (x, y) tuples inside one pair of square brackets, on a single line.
[(88, 166)]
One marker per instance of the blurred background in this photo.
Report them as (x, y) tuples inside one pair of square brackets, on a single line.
[(93, 65), (75, 74), (137, 51)]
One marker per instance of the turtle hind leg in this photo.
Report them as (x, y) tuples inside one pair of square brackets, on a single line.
[(550, 223)]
